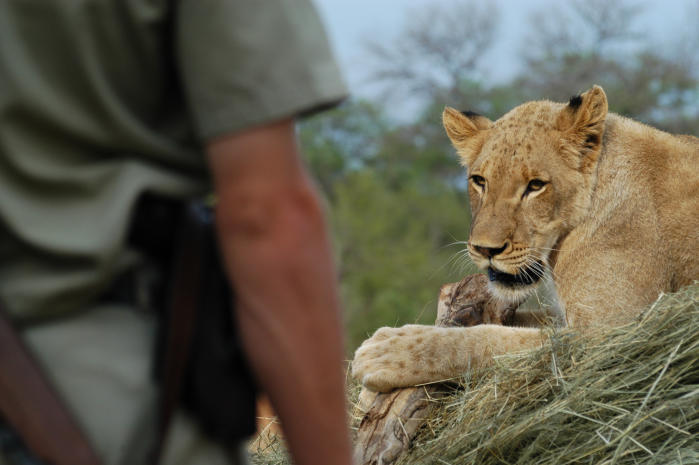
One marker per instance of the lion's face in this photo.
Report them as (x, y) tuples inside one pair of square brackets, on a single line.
[(518, 200), (530, 176)]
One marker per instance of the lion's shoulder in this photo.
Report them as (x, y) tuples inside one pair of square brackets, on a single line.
[(688, 139)]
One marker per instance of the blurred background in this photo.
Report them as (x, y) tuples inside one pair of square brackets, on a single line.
[(394, 189)]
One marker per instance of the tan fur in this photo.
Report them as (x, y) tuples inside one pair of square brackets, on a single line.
[(615, 224)]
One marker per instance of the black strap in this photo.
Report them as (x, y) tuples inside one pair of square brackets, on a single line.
[(185, 294)]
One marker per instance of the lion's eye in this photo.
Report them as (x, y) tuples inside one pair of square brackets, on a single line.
[(535, 185), (478, 180)]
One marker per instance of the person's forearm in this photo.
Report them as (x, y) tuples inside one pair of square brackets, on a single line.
[(277, 254)]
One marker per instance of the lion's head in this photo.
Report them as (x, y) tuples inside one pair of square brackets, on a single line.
[(530, 179)]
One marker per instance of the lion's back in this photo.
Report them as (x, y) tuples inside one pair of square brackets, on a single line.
[(679, 215)]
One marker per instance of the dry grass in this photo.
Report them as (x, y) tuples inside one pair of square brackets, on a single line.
[(628, 396)]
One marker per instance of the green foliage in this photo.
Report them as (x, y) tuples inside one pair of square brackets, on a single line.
[(341, 141), (394, 205), (392, 248)]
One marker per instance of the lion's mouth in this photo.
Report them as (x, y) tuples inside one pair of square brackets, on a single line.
[(524, 277)]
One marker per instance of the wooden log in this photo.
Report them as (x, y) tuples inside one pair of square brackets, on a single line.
[(469, 303), (391, 420)]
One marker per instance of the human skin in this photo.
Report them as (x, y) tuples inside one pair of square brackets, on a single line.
[(277, 255)]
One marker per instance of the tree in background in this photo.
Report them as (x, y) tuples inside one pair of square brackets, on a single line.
[(438, 49), (395, 190), (581, 43)]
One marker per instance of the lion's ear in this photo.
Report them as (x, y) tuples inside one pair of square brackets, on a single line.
[(465, 130), (582, 124)]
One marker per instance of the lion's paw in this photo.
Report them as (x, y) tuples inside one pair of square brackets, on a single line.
[(399, 357)]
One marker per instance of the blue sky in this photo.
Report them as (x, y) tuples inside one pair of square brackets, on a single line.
[(350, 22)]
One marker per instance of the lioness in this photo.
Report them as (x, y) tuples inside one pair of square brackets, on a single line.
[(606, 207)]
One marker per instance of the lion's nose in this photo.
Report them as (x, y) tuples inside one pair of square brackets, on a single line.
[(489, 252)]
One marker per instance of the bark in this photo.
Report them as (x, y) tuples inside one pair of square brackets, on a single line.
[(391, 420)]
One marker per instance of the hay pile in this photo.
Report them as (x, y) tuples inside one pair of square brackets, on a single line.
[(628, 396)]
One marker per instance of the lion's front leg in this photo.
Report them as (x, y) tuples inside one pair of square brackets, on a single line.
[(417, 354)]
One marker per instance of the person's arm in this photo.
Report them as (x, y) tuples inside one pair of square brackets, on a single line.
[(277, 255)]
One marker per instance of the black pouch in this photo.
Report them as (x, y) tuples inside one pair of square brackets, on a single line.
[(218, 387), (203, 367)]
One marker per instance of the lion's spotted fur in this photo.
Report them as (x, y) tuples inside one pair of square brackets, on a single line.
[(615, 224)]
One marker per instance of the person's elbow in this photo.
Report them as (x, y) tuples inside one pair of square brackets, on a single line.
[(269, 212)]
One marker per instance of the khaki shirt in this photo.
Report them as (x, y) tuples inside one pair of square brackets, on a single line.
[(102, 100)]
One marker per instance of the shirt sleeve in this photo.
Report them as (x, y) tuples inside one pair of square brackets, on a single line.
[(249, 62)]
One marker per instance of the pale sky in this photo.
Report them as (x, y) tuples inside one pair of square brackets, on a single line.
[(350, 22)]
